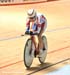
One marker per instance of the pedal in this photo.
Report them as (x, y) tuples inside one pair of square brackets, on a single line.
[(44, 48), (35, 54)]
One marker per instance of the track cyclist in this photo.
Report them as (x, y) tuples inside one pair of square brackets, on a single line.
[(36, 23)]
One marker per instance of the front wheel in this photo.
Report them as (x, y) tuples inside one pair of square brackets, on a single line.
[(28, 58), (44, 52)]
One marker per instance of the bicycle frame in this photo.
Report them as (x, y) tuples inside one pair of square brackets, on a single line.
[(30, 51)]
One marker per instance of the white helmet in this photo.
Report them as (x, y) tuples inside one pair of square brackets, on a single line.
[(31, 13)]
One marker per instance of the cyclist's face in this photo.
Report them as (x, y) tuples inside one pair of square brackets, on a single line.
[(33, 18)]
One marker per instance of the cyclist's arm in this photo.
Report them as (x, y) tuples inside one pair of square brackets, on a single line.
[(27, 25), (40, 26)]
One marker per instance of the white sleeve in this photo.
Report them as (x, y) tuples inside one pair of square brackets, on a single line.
[(42, 20)]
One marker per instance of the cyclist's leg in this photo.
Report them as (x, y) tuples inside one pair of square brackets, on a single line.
[(40, 36), (34, 40), (36, 45), (40, 40)]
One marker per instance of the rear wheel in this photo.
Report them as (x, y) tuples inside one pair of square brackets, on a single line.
[(44, 54)]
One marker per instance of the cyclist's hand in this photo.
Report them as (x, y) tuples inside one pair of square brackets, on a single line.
[(31, 33), (27, 32)]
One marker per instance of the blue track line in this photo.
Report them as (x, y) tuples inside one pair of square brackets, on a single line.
[(61, 71), (48, 66)]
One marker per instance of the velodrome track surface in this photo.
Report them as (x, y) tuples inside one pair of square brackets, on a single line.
[(12, 25)]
